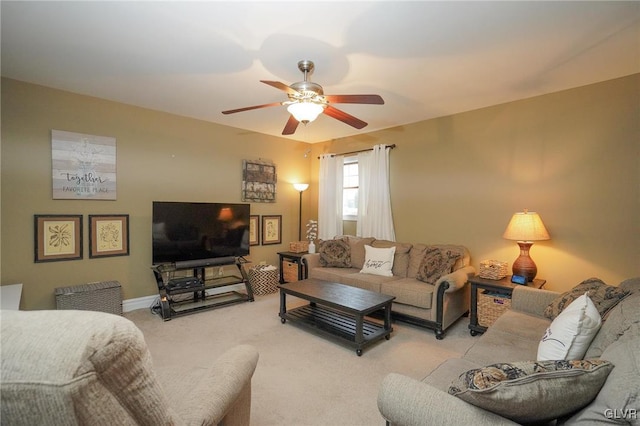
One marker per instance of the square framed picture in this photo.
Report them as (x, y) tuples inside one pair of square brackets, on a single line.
[(108, 235), (57, 237), (271, 229), (254, 230)]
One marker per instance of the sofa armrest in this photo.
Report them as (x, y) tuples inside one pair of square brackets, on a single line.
[(312, 260), (456, 279), (408, 402), (531, 300), (222, 394)]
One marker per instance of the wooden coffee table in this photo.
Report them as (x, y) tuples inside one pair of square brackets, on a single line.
[(338, 310)]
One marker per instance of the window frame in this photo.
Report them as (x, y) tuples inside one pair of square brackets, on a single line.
[(349, 161)]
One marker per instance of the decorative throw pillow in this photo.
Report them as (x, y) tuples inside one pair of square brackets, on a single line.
[(569, 335), (378, 261), (436, 264), (530, 391), (334, 253), (603, 296)]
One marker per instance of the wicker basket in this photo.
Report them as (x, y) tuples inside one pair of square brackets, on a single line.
[(299, 246), (290, 271), (493, 269), (104, 296), (491, 306), (263, 279)]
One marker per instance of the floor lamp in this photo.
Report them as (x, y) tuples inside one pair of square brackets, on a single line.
[(300, 187)]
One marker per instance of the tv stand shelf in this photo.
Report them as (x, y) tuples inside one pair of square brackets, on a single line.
[(193, 293)]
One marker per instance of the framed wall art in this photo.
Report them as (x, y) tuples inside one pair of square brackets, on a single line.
[(254, 230), (83, 166), (271, 229), (259, 179), (108, 235), (57, 237)]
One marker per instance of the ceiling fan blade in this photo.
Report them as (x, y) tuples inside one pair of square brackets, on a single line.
[(232, 111), (281, 86), (291, 126), (344, 117), (355, 99)]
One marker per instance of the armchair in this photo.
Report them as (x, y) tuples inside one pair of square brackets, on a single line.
[(81, 367)]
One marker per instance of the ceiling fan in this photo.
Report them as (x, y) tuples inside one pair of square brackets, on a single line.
[(307, 100)]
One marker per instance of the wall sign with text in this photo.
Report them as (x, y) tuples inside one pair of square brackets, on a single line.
[(83, 166)]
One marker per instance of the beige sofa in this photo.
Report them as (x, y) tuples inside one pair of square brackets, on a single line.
[(434, 306), (93, 368), (515, 337)]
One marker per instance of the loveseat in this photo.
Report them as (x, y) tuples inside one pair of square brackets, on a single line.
[(93, 368), (602, 388), (429, 282)]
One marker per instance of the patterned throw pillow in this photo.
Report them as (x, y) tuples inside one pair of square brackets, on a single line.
[(436, 264), (334, 253), (603, 296), (531, 391)]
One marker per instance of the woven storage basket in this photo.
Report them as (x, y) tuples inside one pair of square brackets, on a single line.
[(493, 269), (263, 279), (104, 296), (290, 271), (299, 246), (491, 306)]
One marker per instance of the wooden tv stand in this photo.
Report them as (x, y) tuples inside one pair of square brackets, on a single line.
[(187, 289)]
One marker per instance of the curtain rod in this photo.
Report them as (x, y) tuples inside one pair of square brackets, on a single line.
[(361, 150)]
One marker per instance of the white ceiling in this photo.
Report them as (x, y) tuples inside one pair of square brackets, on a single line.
[(426, 59)]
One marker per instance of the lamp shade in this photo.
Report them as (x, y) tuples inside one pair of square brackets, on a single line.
[(301, 186), (305, 112), (526, 226)]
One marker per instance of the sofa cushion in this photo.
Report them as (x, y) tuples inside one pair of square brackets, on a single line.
[(356, 244), (367, 281), (569, 335), (516, 341), (603, 296), (409, 291), (618, 399), (334, 253), (533, 391), (378, 261), (401, 257), (435, 264), (623, 322), (334, 275)]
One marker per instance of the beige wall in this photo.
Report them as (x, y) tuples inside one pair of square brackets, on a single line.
[(573, 156), (159, 157)]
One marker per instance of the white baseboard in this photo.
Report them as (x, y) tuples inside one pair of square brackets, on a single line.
[(146, 302), (138, 303)]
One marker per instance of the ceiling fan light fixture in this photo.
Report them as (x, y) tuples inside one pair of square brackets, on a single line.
[(305, 112)]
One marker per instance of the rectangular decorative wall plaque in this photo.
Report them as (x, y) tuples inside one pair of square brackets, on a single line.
[(83, 166), (58, 237), (108, 235), (259, 179), (254, 230), (271, 229)]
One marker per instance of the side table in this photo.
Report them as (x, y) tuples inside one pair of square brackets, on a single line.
[(292, 267), (499, 288)]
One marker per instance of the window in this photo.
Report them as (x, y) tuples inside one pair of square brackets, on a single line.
[(350, 189)]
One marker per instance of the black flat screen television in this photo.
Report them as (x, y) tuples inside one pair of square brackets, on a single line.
[(184, 231)]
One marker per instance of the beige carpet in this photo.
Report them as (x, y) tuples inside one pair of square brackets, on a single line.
[(301, 378)]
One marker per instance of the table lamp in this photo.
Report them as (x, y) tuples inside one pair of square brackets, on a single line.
[(525, 228)]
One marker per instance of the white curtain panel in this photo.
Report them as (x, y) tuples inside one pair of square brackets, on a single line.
[(374, 204), (330, 197)]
